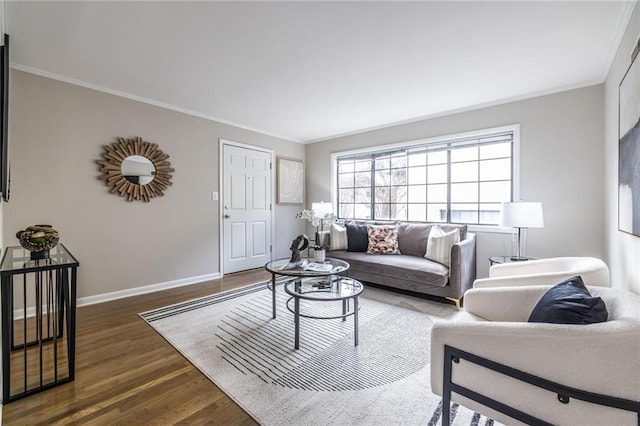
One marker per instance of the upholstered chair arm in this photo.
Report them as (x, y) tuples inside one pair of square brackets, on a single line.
[(499, 304), (462, 271), (548, 279), (592, 270), (537, 266), (516, 303)]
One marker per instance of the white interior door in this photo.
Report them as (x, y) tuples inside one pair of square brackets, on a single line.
[(246, 208)]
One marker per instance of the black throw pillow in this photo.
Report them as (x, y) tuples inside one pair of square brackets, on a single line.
[(569, 303), (357, 237)]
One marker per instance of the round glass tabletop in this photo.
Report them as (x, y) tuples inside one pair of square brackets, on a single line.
[(307, 267)]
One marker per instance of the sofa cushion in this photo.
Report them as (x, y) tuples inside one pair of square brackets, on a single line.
[(440, 243), (569, 303), (382, 239), (448, 227), (357, 237), (337, 237), (400, 267), (412, 238)]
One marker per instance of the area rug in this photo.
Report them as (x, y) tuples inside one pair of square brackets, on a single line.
[(233, 340)]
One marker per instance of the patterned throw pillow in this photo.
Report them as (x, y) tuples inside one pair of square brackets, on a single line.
[(439, 245), (382, 240)]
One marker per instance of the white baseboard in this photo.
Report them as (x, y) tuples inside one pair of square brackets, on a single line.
[(120, 294), (106, 297)]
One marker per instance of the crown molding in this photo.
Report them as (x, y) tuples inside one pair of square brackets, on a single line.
[(130, 96)]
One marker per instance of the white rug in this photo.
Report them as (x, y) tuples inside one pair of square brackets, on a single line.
[(233, 340)]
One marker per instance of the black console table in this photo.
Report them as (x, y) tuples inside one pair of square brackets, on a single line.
[(38, 305)]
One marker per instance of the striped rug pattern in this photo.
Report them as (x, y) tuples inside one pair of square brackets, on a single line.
[(232, 339)]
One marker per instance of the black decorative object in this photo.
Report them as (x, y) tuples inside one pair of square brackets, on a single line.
[(300, 243), (39, 255)]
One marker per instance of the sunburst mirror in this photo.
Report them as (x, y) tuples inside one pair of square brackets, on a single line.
[(135, 169)]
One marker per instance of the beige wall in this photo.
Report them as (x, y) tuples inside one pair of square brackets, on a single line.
[(622, 250), (561, 166), (57, 132)]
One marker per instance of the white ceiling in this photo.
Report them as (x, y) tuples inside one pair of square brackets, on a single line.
[(308, 71)]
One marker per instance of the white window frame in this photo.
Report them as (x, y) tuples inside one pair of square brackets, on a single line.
[(515, 178)]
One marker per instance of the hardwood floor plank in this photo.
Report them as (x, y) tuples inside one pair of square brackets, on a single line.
[(126, 373), (164, 409), (101, 403)]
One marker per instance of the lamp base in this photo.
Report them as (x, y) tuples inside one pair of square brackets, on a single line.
[(518, 259)]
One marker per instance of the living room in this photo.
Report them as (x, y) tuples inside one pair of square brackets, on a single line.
[(60, 121)]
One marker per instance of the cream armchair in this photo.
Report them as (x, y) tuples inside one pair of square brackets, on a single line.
[(597, 359), (549, 271)]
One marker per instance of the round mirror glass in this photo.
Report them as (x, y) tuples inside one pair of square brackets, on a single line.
[(138, 169)]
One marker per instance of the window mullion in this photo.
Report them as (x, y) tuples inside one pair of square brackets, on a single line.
[(511, 176), (449, 184), (479, 198), (373, 188)]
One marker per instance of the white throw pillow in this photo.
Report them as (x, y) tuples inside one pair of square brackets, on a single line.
[(338, 237), (439, 244)]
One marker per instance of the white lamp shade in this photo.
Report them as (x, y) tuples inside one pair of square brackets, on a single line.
[(522, 215), (321, 209)]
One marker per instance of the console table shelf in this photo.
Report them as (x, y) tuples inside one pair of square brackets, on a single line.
[(38, 321)]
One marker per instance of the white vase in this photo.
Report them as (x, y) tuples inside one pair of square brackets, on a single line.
[(319, 255)]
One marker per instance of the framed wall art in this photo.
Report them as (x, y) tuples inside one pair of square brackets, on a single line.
[(629, 151), (290, 181)]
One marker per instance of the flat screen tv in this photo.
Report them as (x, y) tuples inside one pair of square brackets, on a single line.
[(4, 119)]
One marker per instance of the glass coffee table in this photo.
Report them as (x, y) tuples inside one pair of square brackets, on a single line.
[(329, 267), (331, 288)]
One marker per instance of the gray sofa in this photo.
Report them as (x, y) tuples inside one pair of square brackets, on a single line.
[(410, 270)]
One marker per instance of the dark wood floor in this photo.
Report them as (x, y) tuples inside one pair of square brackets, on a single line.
[(126, 373)]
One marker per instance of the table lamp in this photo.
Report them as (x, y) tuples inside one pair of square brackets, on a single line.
[(520, 216)]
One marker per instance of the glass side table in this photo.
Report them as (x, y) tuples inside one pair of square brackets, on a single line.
[(38, 306), (324, 290)]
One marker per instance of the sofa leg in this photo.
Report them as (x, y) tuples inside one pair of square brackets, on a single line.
[(458, 302)]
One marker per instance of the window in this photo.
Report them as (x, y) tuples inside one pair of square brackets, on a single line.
[(460, 180)]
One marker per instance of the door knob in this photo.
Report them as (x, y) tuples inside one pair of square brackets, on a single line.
[(226, 216)]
